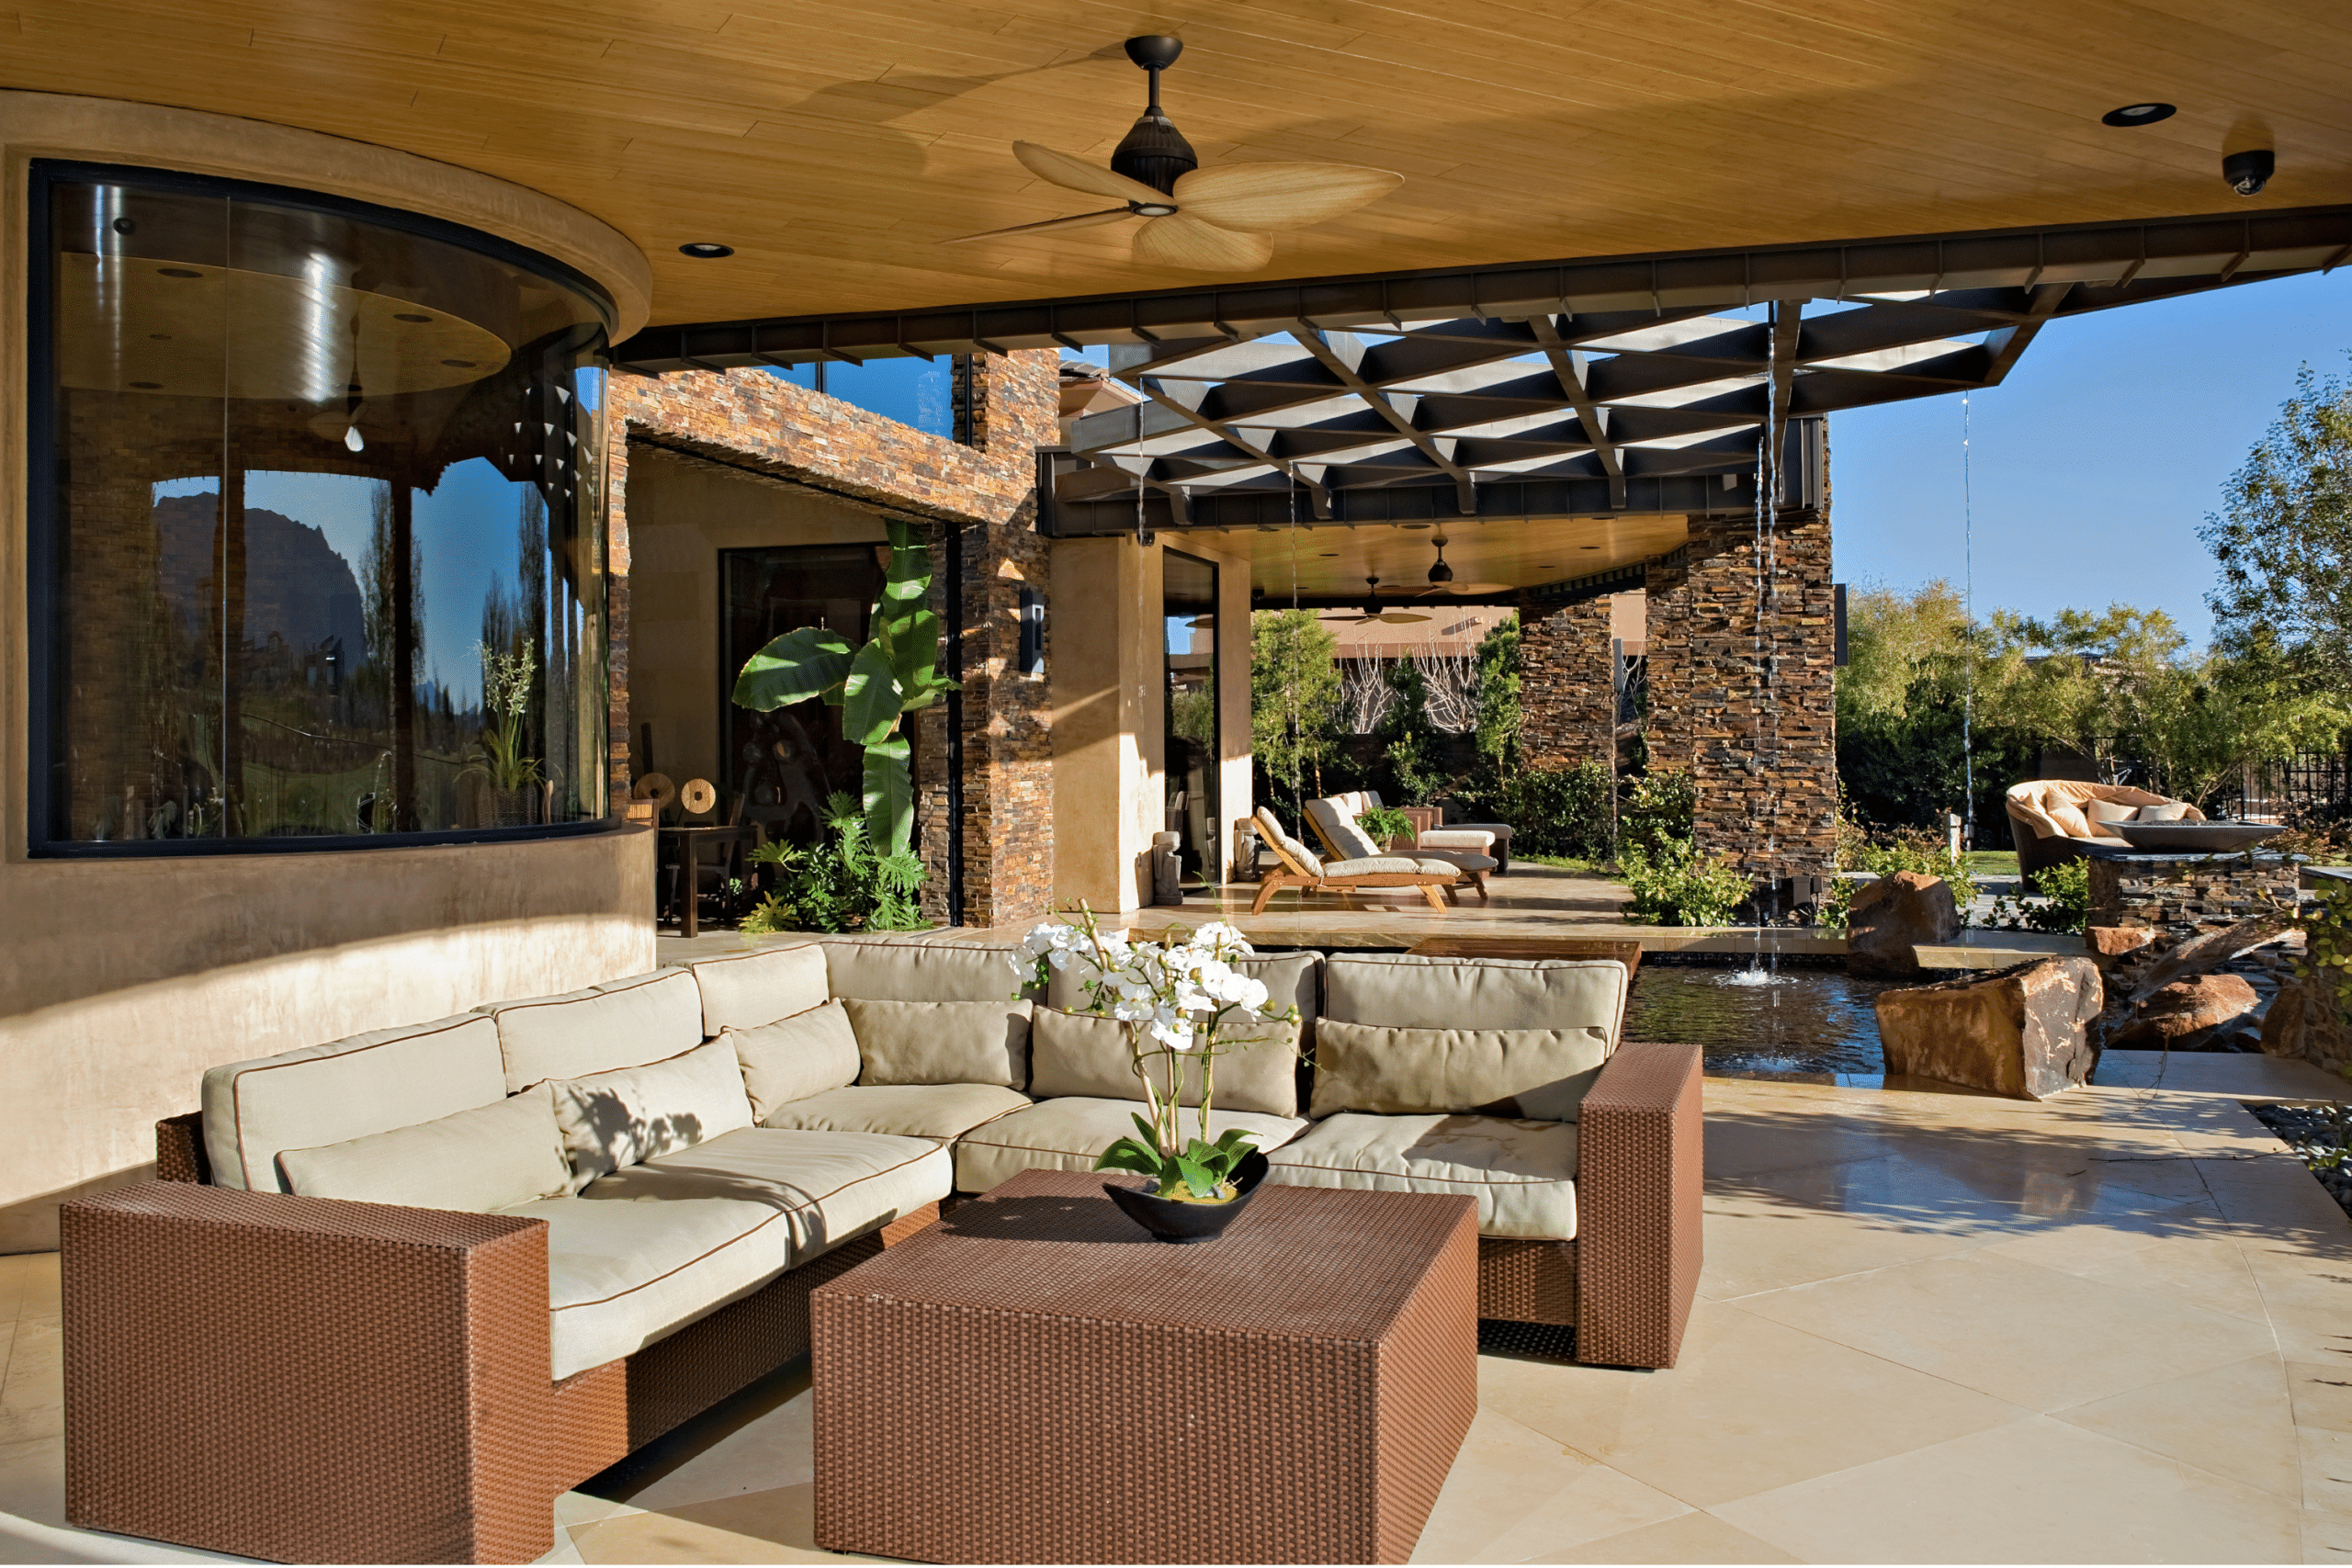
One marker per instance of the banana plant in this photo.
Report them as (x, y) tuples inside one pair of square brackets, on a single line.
[(896, 674)]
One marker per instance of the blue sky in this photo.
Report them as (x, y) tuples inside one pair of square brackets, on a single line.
[(2093, 463)]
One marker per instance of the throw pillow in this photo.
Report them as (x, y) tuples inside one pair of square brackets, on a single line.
[(625, 1118), (2070, 819), (796, 1057), (1542, 1074), (484, 1159), (942, 1041), (2170, 811), (1085, 1056), (2101, 812)]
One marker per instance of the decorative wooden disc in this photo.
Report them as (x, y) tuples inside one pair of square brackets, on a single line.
[(698, 797), (657, 788)]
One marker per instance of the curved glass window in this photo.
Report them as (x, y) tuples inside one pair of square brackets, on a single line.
[(317, 542)]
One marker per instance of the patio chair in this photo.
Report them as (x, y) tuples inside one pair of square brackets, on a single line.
[(1337, 826), (1461, 834), (2050, 819), (1310, 872)]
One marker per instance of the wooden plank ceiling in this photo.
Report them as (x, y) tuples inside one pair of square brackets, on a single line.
[(834, 143)]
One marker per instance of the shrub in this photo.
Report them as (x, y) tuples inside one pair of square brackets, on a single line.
[(1673, 885), (1560, 811), (839, 885), (2067, 885), (1660, 808), (1382, 823)]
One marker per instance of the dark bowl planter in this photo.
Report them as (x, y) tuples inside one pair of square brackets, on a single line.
[(1182, 1222)]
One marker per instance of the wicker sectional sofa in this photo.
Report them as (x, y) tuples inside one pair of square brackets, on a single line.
[(393, 1294)]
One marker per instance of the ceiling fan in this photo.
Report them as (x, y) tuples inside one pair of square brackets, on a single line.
[(1441, 577), (1372, 610), (1194, 219)]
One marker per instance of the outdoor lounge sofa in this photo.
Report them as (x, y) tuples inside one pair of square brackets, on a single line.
[(394, 1295), (2050, 819), (1480, 838)]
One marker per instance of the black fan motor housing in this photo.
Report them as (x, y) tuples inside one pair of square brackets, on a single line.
[(1156, 153)]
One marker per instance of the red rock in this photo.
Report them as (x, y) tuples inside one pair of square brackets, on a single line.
[(2021, 1031), (2305, 1023), (1892, 917), (2108, 943), (2187, 1013)]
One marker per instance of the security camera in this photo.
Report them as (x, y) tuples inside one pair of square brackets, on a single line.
[(2247, 172)]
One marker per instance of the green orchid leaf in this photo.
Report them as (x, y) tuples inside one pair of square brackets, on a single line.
[(1128, 1155), (1198, 1177), (870, 698), (1150, 1134), (796, 667), (889, 796)]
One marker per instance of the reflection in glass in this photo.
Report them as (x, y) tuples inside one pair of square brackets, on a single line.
[(917, 392), (323, 530), (1189, 609), (786, 761)]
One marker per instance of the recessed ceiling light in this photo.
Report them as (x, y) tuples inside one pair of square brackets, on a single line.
[(1588, 546), (2138, 114), (409, 316), (179, 272), (705, 250), (1330, 555)]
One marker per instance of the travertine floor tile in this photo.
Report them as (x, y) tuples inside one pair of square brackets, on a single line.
[(1752, 1406), (1691, 1538), (2327, 1536), (2206, 1272), (2234, 1420), (2327, 1468), (2031, 1335), (2322, 1395), (1514, 1492), (2035, 1491)]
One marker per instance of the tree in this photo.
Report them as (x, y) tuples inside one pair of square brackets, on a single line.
[(1293, 696), (1498, 708), (2283, 539)]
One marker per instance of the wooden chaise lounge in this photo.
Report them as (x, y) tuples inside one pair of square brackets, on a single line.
[(1341, 834), (1310, 872)]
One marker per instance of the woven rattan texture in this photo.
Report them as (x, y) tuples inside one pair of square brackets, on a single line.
[(1526, 1341), (1639, 1136), (360, 1383), (1527, 1282), (1036, 1381), (179, 1149)]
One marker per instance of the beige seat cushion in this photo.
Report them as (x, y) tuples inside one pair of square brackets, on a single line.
[(1402, 991), (612, 1119), (1522, 1173), (1386, 865), (1307, 860), (942, 1110), (1470, 840), (798, 1057), (904, 1043), (647, 1017), (2102, 812), (625, 1269), (747, 989), (1068, 1134), (2170, 811), (349, 1088), (1459, 860), (482, 1160), (1087, 1055), (920, 972), (1537, 1073), (1340, 826)]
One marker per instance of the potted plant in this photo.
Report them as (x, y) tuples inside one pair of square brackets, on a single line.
[(1185, 1005), (1385, 825), (517, 788)]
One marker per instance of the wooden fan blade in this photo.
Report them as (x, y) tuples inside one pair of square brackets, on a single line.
[(1081, 220), (1400, 617), (1077, 174), (1255, 197), (1195, 246)]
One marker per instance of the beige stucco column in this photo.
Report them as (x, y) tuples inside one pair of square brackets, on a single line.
[(1106, 677)]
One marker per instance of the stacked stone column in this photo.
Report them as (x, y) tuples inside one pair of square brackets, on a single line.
[(1753, 721), (1567, 684)]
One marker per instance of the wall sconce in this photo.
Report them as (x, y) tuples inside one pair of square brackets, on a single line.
[(1031, 660)]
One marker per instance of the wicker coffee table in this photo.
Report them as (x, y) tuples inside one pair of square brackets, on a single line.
[(1034, 1379)]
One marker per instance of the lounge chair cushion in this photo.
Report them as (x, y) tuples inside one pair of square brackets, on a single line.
[(1477, 841), (1068, 1134), (1339, 825), (798, 1057), (1087, 1055), (1467, 861), (1538, 1073), (482, 1160), (1386, 866), (941, 1110), (1522, 1173), (1306, 860), (344, 1090), (618, 1119), (904, 1043), (919, 971), (1402, 991), (626, 1023), (734, 1212), (747, 989)]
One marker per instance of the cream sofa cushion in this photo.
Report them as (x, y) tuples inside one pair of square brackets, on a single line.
[(942, 1110), (612, 1119), (1087, 1055), (1402, 991), (2104, 811), (1067, 1134), (1521, 1173), (646, 1017), (2170, 811), (747, 989), (795, 1057), (1536, 1073), (905, 1042), (921, 971), (349, 1088), (483, 1160)]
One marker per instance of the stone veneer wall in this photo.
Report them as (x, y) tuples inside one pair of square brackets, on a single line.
[(1759, 743), (987, 491), (2223, 889), (1566, 691)]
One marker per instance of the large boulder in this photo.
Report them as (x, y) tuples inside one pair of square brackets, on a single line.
[(2187, 1014), (1892, 917), (2023, 1032), (2305, 1023)]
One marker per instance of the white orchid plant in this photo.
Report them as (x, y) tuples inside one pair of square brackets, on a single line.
[(1185, 1005)]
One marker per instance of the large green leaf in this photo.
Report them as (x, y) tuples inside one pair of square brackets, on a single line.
[(794, 668), (889, 795), (908, 583), (871, 697)]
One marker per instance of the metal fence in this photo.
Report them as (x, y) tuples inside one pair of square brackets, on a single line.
[(2310, 787)]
